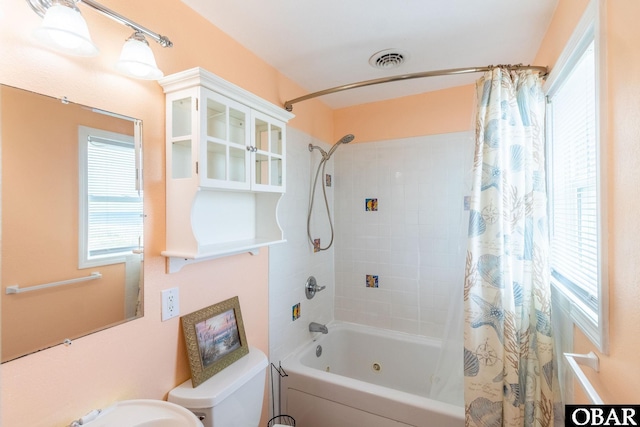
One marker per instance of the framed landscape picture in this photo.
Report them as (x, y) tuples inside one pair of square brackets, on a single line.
[(215, 338)]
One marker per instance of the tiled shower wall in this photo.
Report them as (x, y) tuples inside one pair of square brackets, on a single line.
[(415, 242), (291, 263), (413, 246)]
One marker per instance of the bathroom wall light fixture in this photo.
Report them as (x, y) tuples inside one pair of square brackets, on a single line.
[(137, 60), (63, 28)]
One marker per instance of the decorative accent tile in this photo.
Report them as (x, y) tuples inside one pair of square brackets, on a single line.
[(316, 245), (371, 205), (295, 312), (327, 180), (372, 281)]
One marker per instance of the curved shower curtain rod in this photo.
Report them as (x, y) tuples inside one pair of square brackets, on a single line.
[(288, 105)]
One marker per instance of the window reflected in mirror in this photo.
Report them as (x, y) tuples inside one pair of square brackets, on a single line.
[(72, 218)]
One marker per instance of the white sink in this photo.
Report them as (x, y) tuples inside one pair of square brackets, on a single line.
[(145, 413)]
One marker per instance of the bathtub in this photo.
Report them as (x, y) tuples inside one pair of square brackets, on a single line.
[(365, 377)]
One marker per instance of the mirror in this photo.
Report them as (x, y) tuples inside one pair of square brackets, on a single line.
[(72, 216)]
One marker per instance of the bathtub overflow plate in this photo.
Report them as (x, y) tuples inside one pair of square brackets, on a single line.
[(376, 367)]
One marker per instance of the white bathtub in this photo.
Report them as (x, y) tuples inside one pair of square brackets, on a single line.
[(365, 377)]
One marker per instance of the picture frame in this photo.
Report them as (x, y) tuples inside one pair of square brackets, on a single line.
[(215, 338)]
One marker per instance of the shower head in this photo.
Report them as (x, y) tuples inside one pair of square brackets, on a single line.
[(344, 140)]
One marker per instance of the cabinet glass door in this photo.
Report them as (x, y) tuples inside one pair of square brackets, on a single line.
[(181, 158), (261, 160), (226, 157), (277, 172), (238, 154), (268, 173)]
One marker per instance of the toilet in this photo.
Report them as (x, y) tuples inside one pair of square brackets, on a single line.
[(232, 397)]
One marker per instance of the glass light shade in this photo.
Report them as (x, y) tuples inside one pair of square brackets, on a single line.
[(137, 60), (63, 28)]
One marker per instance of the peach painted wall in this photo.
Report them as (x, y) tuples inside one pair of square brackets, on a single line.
[(144, 358), (619, 376), (43, 161), (431, 113)]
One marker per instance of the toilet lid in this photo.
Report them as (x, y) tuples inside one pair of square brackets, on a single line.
[(217, 388)]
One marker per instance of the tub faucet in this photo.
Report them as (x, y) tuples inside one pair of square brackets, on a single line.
[(317, 327)]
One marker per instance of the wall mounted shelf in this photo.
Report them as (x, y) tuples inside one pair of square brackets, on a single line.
[(226, 168)]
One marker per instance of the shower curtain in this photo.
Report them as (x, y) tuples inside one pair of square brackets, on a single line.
[(509, 372)]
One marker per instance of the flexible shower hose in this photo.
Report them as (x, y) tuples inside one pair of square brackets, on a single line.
[(322, 164)]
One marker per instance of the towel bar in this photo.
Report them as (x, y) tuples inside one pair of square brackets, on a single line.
[(15, 289), (591, 360)]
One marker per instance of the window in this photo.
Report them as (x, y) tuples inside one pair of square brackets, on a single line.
[(111, 215), (575, 160)]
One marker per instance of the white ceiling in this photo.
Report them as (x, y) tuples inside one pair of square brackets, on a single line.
[(328, 43)]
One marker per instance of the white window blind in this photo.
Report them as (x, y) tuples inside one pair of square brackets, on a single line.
[(114, 204), (574, 239), (576, 132)]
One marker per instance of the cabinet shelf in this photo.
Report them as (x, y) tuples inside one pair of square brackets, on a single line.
[(176, 260), (225, 169)]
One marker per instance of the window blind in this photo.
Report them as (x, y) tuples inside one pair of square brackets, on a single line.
[(574, 185), (114, 204)]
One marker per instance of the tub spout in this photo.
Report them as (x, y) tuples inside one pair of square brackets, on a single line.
[(317, 327)]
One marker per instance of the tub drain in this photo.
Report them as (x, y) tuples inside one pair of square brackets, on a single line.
[(376, 367)]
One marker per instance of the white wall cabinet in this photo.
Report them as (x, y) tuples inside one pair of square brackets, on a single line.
[(226, 168)]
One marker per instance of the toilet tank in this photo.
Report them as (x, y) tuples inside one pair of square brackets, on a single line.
[(232, 397)]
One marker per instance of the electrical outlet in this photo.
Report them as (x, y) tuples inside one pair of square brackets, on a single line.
[(170, 304)]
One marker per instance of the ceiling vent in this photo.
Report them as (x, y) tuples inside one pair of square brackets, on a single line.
[(388, 59)]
